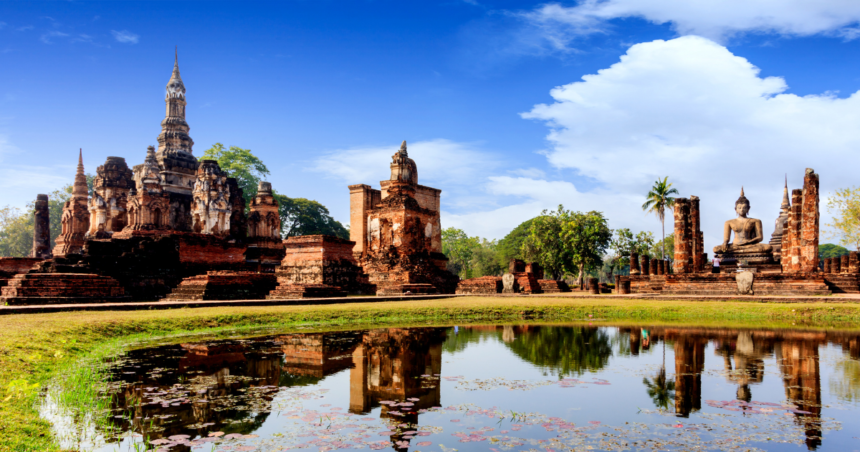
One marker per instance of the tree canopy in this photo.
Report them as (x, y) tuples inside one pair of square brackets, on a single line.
[(844, 204), (470, 257), (300, 216), (828, 250), (241, 164)]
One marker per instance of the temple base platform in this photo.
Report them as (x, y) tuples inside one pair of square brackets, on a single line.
[(61, 288), (294, 291), (224, 285), (407, 289), (766, 283)]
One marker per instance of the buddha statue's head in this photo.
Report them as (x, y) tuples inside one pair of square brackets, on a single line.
[(742, 205)]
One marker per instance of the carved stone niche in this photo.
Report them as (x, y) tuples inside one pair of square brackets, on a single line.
[(108, 206), (210, 207)]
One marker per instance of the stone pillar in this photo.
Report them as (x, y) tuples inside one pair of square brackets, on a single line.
[(843, 264), (827, 265), (634, 264), (835, 265), (593, 286), (795, 219), (646, 265), (661, 267), (623, 287), (695, 227), (41, 229), (683, 239), (853, 262), (809, 223)]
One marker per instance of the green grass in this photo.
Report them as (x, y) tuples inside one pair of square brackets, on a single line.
[(67, 349)]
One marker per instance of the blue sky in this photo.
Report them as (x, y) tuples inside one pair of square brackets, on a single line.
[(509, 107)]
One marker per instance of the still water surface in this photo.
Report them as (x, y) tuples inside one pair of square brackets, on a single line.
[(494, 388)]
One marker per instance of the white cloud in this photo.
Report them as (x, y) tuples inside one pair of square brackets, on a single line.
[(48, 37), (715, 19), (691, 110), (125, 37)]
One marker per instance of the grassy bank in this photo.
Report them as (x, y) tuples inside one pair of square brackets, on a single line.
[(35, 348)]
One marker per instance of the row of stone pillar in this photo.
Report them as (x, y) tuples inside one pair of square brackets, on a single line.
[(645, 266), (849, 263)]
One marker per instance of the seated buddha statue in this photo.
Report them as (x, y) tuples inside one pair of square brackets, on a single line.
[(748, 233)]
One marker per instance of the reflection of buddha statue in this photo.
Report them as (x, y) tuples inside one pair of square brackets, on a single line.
[(748, 232)]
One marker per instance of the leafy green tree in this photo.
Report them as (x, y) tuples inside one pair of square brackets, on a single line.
[(587, 236), (563, 350), (624, 243), (830, 250), (511, 246), (241, 164), (16, 232), (657, 201), (458, 247), (485, 260), (301, 216), (844, 204), (546, 244)]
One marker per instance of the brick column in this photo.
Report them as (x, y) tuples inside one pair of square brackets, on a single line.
[(785, 245), (843, 264), (795, 218), (41, 229), (809, 223), (853, 262), (827, 265), (634, 264), (835, 265), (695, 228), (646, 265), (683, 239), (360, 198)]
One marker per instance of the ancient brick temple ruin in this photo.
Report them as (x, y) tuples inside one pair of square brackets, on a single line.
[(788, 265), (143, 230), (177, 228), (398, 234)]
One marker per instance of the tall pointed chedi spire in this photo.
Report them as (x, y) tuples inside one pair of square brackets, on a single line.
[(786, 204), (76, 217), (80, 187), (780, 223), (175, 157)]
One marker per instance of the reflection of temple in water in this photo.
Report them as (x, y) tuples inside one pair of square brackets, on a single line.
[(743, 353), (400, 365), (385, 365)]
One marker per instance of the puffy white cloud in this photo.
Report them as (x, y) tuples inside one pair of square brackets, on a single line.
[(125, 37), (716, 19), (691, 110)]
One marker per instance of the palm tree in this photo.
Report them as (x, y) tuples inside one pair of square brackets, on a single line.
[(657, 201), (661, 391)]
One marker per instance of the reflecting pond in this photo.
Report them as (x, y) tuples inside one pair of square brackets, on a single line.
[(496, 388)]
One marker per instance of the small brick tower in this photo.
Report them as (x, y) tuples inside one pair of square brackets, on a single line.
[(76, 216)]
